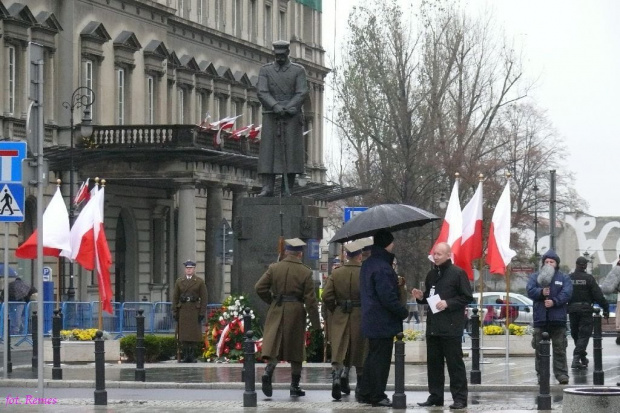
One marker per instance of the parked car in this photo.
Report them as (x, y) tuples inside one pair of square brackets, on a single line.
[(524, 304)]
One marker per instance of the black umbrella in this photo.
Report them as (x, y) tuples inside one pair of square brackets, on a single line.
[(392, 217)]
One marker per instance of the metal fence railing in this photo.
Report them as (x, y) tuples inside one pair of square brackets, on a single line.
[(158, 318)]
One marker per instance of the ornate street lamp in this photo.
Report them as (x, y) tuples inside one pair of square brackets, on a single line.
[(82, 97)]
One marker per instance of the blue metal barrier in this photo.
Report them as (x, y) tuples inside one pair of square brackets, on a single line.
[(82, 315)]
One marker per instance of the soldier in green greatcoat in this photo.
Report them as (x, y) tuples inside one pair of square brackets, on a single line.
[(288, 288)]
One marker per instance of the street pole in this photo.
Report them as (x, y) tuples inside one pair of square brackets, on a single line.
[(552, 212), (535, 189)]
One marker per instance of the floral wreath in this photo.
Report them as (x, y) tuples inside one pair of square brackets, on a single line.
[(224, 335)]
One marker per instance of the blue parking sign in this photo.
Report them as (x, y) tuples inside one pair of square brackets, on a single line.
[(313, 249), (350, 212)]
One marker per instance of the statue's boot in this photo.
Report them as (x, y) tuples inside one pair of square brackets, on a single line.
[(268, 183)]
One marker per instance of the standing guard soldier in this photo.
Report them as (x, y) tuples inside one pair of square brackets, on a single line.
[(342, 297), (189, 306), (282, 90), (287, 286)]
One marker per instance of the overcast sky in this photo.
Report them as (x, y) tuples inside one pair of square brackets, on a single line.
[(573, 48)]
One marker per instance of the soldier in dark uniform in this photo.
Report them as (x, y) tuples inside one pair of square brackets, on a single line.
[(282, 90), (342, 298), (585, 292), (288, 288), (189, 305)]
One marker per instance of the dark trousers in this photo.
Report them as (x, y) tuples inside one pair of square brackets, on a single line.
[(557, 334), (449, 349), (581, 331), (377, 362)]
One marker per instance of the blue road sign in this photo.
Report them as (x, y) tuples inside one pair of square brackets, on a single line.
[(313, 249), (12, 193), (350, 212)]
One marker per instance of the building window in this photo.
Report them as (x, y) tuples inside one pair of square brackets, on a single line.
[(252, 21), (199, 11), (282, 26), (238, 17), (268, 26), (12, 79), (120, 96), (180, 106), (150, 100), (255, 113), (220, 17)]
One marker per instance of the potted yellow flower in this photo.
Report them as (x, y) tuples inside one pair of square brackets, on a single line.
[(77, 346), (519, 340)]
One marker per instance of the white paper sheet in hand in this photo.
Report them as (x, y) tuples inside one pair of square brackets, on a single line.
[(432, 301)]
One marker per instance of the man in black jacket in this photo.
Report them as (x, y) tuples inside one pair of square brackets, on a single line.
[(585, 292), (448, 285)]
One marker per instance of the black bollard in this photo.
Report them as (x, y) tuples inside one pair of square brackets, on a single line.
[(56, 327), (249, 396), (101, 395), (34, 321), (597, 341), (475, 376), (247, 326), (544, 397), (399, 400), (140, 373), (9, 365)]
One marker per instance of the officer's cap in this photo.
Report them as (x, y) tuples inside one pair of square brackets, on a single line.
[(189, 264), (294, 244), (354, 248), (366, 243), (281, 46)]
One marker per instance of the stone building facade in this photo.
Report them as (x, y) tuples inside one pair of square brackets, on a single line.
[(156, 68)]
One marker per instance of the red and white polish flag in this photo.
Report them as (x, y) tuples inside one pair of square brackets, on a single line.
[(452, 227), (499, 253), (471, 240)]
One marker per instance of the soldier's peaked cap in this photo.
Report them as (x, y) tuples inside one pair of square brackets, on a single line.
[(294, 244), (189, 263), (281, 46), (353, 248), (366, 243)]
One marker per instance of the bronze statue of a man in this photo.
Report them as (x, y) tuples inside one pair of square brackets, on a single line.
[(282, 90)]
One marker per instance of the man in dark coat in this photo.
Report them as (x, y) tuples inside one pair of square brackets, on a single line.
[(189, 305), (551, 289), (585, 292), (282, 89), (383, 313), (449, 290), (288, 288), (341, 296)]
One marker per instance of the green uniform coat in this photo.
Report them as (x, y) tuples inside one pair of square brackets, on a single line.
[(187, 313), (285, 326), (345, 328)]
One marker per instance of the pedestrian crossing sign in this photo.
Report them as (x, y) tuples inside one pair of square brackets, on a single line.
[(11, 197)]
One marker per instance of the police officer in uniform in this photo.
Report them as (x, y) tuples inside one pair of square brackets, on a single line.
[(585, 292), (342, 298), (288, 288), (282, 89), (189, 305)]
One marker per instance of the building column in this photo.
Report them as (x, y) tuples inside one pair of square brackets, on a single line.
[(186, 232), (213, 265)]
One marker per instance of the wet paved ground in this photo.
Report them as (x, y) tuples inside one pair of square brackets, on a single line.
[(171, 386)]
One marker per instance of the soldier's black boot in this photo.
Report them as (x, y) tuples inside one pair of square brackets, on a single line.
[(336, 390), (268, 183), (185, 353), (344, 381), (267, 376), (618, 339), (584, 360), (358, 397), (191, 353), (296, 391), (576, 364)]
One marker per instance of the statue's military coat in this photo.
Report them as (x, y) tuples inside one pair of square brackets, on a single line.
[(190, 329), (285, 326), (345, 328), (287, 86)]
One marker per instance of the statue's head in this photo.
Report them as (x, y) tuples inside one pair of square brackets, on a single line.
[(281, 51)]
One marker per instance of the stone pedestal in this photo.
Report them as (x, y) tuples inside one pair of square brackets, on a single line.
[(257, 229), (591, 399), (81, 351)]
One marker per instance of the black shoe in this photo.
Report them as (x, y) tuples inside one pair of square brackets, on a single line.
[(563, 380), (458, 406), (576, 364), (585, 361), (267, 388), (336, 387), (383, 403), (344, 381), (430, 403), (296, 391)]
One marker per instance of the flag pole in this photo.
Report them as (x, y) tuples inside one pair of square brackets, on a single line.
[(507, 304), (481, 260)]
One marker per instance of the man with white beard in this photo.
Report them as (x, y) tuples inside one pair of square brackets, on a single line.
[(551, 290)]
